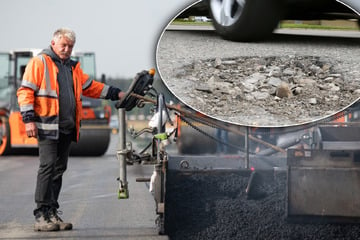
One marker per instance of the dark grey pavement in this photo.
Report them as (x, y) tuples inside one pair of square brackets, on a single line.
[(88, 200)]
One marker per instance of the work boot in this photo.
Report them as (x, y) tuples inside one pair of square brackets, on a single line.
[(54, 217), (43, 222)]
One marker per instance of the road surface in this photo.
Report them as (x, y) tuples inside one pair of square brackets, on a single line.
[(88, 199)]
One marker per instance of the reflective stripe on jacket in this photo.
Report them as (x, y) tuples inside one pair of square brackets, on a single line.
[(39, 91)]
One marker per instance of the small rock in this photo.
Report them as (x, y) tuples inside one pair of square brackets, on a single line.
[(260, 68), (323, 86), (334, 98), (283, 90), (197, 66), (200, 100), (326, 67), (211, 80), (288, 72), (274, 81), (307, 81), (314, 69), (335, 75), (217, 62), (254, 78), (260, 95), (312, 101), (333, 87), (248, 87), (275, 73), (329, 79), (357, 91), (229, 62), (297, 90), (249, 97), (203, 88)]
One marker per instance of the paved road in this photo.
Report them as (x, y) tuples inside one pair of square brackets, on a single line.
[(305, 32), (88, 200)]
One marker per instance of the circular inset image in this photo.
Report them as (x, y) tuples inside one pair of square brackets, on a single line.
[(293, 77)]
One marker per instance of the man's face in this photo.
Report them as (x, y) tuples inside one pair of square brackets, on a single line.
[(62, 47)]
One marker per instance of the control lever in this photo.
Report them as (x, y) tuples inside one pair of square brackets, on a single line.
[(141, 84)]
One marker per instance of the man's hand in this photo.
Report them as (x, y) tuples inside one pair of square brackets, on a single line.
[(31, 129), (121, 95)]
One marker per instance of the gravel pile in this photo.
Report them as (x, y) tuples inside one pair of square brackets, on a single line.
[(214, 205), (270, 91)]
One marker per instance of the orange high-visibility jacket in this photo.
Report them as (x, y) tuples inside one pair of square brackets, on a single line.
[(39, 93)]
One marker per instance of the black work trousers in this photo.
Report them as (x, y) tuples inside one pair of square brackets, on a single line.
[(53, 155)]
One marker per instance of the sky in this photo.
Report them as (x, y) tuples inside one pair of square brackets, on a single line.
[(123, 34)]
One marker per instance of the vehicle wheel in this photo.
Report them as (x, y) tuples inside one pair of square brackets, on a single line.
[(5, 145), (93, 142), (245, 20)]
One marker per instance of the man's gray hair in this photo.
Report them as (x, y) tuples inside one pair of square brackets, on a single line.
[(64, 32)]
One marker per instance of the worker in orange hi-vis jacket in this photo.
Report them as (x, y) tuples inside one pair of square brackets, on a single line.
[(50, 104)]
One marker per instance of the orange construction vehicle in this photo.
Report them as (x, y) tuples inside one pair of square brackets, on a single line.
[(95, 131)]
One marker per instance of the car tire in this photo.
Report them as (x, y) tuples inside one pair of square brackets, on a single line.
[(245, 20)]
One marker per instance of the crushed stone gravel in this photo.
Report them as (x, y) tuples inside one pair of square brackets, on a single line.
[(287, 80), (270, 91), (214, 205)]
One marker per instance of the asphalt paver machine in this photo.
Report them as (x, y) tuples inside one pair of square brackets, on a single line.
[(322, 179), (138, 94)]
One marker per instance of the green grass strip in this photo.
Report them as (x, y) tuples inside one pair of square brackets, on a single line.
[(315, 26), (282, 25)]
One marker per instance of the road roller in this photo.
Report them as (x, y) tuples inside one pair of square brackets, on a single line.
[(95, 130)]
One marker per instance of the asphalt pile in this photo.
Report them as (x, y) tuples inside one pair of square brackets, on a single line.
[(269, 91), (215, 205)]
